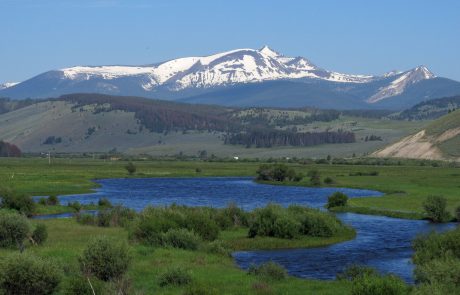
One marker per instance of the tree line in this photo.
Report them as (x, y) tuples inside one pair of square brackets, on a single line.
[(269, 138), (9, 150)]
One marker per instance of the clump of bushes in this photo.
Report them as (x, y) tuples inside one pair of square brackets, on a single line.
[(115, 216), (218, 247), (153, 223), (78, 285), (28, 275), (435, 209), (355, 271), (276, 221), (371, 173), (40, 234), (130, 168), (19, 202), (105, 259), (328, 180), (315, 177), (181, 238), (104, 202), (75, 206), (14, 229), (337, 199), (175, 277), (379, 285), (457, 213), (277, 172), (269, 270), (437, 262)]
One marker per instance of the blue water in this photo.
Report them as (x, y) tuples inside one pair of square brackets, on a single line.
[(381, 242)]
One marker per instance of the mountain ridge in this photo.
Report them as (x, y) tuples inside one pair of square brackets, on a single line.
[(187, 77)]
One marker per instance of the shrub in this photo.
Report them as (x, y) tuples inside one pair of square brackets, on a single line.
[(105, 259), (355, 271), (130, 168), (42, 201), (175, 276), (315, 177), (21, 203), (75, 205), (14, 229), (104, 202), (445, 271), (379, 285), (181, 238), (218, 247), (86, 218), (52, 200), (40, 234), (277, 172), (318, 224), (435, 246), (435, 208), (337, 199), (231, 216), (286, 227), (328, 180), (201, 223), (200, 289), (268, 270), (79, 285), (23, 274), (275, 221), (457, 213)]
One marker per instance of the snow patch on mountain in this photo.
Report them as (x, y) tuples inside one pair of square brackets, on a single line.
[(404, 80), (8, 85)]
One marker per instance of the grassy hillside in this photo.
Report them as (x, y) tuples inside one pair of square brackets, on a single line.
[(438, 140), (100, 123)]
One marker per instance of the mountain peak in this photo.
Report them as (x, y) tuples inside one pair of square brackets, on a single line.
[(268, 51), (424, 72)]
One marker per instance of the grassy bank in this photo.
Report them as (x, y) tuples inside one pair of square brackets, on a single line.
[(67, 240), (405, 187)]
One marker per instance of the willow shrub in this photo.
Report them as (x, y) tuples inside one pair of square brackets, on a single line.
[(292, 222)]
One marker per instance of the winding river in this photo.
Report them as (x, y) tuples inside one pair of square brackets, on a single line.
[(381, 242)]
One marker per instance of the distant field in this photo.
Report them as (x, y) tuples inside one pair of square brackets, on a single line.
[(406, 187)]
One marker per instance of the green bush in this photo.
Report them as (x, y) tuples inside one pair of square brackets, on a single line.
[(435, 209), (379, 285), (181, 238), (200, 289), (175, 276), (106, 259), (40, 234), (315, 177), (457, 213), (337, 199), (355, 271), (79, 285), (435, 246), (201, 223), (14, 229), (23, 274), (130, 168), (275, 221), (319, 224), (75, 206), (86, 219), (52, 200), (218, 247), (277, 172), (104, 202), (231, 216), (444, 271), (328, 180), (21, 203), (269, 270)]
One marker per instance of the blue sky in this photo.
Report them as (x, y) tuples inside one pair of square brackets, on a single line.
[(360, 37)]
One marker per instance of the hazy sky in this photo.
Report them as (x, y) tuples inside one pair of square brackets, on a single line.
[(360, 37)]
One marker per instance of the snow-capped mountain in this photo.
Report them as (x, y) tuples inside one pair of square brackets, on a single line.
[(226, 68), (229, 73)]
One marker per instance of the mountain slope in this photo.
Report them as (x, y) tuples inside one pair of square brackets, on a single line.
[(191, 78), (438, 141)]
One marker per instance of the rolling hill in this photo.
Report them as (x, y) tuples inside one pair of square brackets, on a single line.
[(440, 140), (80, 123)]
